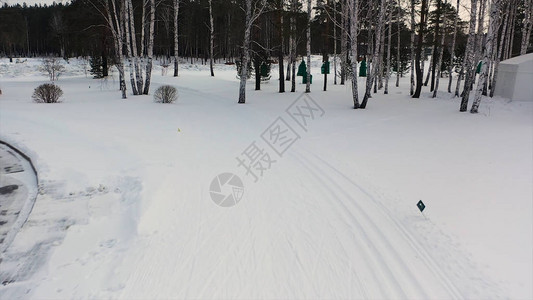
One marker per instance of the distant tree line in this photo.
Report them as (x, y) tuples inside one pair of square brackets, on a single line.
[(381, 38)]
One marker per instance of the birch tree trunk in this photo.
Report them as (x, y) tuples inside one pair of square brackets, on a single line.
[(176, 41), (335, 42), (452, 50), (150, 49), (441, 51), (344, 39), (114, 18), (377, 33), (430, 70), (138, 70), (499, 54), (478, 49), (495, 8), (246, 52), (511, 33), (419, 72), (293, 45), (469, 56), (435, 46), (354, 22), (412, 85), (398, 45), (308, 84), (387, 72), (526, 27), (381, 52), (211, 37), (127, 30), (281, 55)]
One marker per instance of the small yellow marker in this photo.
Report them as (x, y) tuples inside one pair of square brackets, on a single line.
[(179, 130)]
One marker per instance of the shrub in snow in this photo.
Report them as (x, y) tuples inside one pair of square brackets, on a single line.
[(166, 94), (47, 93), (53, 67)]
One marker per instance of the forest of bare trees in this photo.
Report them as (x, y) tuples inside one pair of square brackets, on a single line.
[(457, 42)]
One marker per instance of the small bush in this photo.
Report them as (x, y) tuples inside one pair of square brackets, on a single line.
[(47, 93), (166, 94), (53, 67)]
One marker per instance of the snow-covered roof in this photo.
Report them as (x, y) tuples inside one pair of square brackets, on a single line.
[(519, 59)]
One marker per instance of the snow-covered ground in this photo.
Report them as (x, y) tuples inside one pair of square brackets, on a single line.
[(125, 209)]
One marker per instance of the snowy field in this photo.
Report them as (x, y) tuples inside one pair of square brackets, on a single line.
[(124, 208)]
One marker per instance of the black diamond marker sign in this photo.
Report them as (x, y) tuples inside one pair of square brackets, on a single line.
[(421, 205)]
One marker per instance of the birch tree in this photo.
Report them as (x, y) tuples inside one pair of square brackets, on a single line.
[(452, 50), (495, 7), (250, 19), (211, 37), (150, 50), (398, 20), (469, 56), (527, 25), (387, 74), (499, 53), (281, 55), (176, 40), (111, 11), (354, 22), (376, 51), (308, 47), (292, 46), (419, 73), (441, 51), (412, 85)]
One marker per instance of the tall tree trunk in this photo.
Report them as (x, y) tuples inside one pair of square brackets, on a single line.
[(115, 23), (150, 48), (127, 24), (176, 40), (495, 8), (211, 38), (511, 35), (369, 56), (335, 43), (469, 56), (412, 84), (308, 84), (430, 70), (478, 49), (378, 32), (354, 22), (381, 54), (389, 42), (452, 50), (138, 70), (281, 49), (419, 50), (344, 40), (293, 46), (398, 44), (526, 27), (435, 46), (246, 52), (499, 54), (441, 51)]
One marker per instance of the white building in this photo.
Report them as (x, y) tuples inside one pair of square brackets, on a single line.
[(515, 78)]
